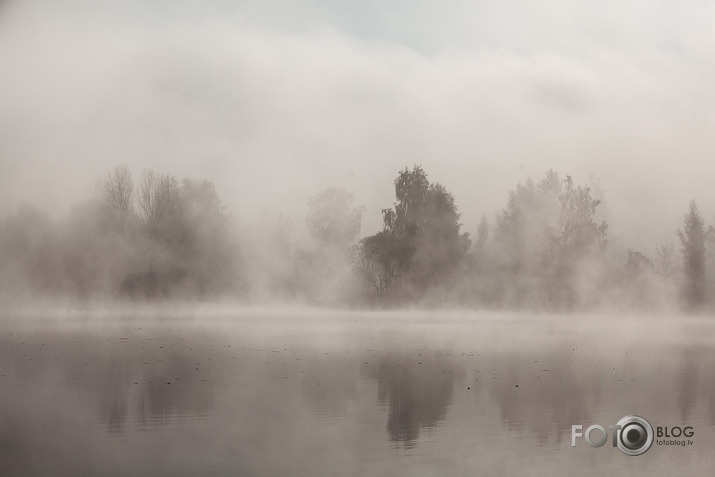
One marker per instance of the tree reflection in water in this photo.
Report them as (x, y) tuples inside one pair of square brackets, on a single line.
[(418, 391)]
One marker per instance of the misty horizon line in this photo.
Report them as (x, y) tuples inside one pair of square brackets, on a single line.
[(592, 181), (158, 237)]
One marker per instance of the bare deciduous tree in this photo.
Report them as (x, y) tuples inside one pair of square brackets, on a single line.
[(158, 197), (372, 274), (664, 262), (118, 196)]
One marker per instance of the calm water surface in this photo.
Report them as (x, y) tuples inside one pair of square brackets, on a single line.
[(323, 393)]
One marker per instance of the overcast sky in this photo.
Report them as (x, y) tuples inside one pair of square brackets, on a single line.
[(276, 100)]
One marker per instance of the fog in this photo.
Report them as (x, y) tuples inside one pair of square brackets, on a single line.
[(274, 103), (354, 238)]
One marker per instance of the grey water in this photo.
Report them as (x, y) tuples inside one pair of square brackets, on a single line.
[(276, 392)]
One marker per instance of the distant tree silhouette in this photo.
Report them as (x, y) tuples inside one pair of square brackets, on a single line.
[(205, 246), (483, 232), (184, 242), (637, 263), (540, 239), (479, 258), (693, 238), (332, 219), (159, 237), (119, 197), (664, 262), (520, 238), (374, 260), (578, 234), (159, 200), (577, 237), (333, 224), (421, 245), (27, 258)]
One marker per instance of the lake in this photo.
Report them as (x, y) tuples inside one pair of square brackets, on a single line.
[(197, 391)]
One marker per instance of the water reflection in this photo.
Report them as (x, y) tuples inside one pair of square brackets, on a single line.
[(671, 384), (417, 390), (546, 395), (146, 381), (328, 382), (339, 400), (694, 381)]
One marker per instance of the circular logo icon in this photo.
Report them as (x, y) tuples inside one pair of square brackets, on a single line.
[(635, 435)]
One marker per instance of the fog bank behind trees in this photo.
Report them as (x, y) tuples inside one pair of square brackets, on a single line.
[(152, 237)]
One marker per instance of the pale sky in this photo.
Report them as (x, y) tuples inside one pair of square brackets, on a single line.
[(276, 100)]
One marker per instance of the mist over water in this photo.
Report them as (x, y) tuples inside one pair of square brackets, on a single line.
[(274, 393)]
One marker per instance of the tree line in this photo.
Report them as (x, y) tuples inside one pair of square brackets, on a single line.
[(154, 238), (157, 237)]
